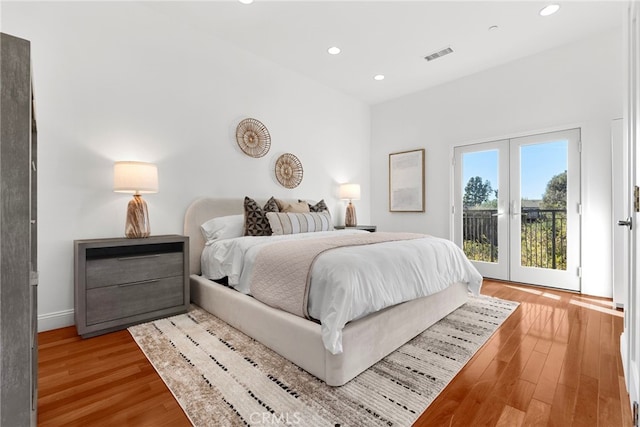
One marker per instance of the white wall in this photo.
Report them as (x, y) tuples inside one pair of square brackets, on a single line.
[(578, 84), (116, 81)]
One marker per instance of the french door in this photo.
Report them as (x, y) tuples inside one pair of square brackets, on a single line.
[(517, 208)]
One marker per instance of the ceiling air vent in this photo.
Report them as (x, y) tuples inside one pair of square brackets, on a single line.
[(438, 54)]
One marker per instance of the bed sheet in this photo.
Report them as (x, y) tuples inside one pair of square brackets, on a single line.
[(349, 283)]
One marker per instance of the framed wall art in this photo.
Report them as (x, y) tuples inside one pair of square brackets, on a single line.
[(406, 181)]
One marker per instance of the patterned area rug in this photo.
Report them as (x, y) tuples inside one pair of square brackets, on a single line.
[(222, 377)]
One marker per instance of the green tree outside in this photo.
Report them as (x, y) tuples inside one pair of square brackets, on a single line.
[(555, 196), (539, 237), (476, 192)]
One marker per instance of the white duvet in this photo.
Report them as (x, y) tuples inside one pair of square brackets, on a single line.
[(351, 282)]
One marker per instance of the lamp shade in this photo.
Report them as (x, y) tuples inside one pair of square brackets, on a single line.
[(135, 177), (350, 191)]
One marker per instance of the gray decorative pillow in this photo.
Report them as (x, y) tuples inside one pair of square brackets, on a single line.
[(321, 206), (255, 217)]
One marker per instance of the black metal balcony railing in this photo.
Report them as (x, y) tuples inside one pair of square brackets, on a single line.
[(543, 236)]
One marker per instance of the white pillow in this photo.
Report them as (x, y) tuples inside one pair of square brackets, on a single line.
[(222, 227), (293, 223)]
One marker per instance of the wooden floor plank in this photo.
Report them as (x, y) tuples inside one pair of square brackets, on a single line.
[(537, 414), (564, 405), (572, 366), (489, 413), (533, 368), (590, 359), (586, 414), (625, 404), (511, 417), (548, 380), (473, 402), (609, 411), (521, 396), (554, 362)]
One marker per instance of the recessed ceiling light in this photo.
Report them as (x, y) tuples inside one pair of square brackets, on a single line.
[(493, 28), (246, 1), (549, 9), (378, 77), (333, 50)]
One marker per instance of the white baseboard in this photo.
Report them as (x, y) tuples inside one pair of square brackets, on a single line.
[(58, 319), (623, 355)]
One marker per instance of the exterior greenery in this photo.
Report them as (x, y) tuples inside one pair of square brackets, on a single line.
[(543, 237), (543, 233), (476, 192), (555, 196)]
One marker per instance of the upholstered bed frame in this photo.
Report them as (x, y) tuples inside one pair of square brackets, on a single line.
[(365, 341)]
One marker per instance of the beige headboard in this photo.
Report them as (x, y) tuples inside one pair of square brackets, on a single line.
[(202, 210)]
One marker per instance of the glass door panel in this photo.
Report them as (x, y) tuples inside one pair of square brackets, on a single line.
[(480, 205), (481, 227), (545, 203)]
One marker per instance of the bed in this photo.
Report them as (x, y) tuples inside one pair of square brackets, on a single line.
[(363, 341)]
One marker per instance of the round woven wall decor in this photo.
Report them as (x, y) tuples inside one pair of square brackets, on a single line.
[(289, 170), (253, 137)]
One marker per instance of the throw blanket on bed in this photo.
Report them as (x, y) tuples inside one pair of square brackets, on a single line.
[(282, 270)]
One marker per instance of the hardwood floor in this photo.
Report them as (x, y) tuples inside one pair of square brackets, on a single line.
[(101, 381), (554, 362)]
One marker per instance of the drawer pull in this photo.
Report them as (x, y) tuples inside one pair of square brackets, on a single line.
[(138, 257), (142, 282)]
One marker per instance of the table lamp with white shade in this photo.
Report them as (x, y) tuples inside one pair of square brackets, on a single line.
[(137, 178), (350, 192)]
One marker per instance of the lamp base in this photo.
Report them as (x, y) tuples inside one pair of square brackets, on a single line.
[(350, 216), (137, 225)]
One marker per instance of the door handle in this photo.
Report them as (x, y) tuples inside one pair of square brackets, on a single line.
[(626, 223), (514, 212)]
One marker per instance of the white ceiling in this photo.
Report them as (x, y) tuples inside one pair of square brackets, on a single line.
[(392, 37)]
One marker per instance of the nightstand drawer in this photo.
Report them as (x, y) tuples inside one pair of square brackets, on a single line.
[(116, 302), (128, 269), (121, 282)]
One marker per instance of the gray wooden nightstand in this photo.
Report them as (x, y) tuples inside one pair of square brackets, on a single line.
[(120, 282), (369, 228)]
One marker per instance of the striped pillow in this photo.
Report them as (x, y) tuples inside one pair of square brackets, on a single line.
[(293, 223)]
